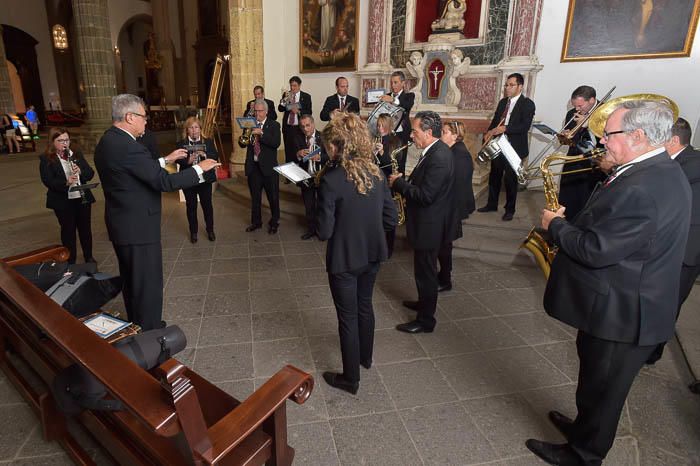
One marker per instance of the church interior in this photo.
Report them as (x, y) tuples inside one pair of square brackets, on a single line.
[(252, 302)]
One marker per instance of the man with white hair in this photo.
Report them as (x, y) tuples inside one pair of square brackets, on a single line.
[(616, 276), (132, 182)]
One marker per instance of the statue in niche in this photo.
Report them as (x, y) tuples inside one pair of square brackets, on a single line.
[(460, 66), (452, 18), (415, 67)]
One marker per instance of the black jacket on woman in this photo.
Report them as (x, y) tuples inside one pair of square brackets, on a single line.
[(209, 176), (463, 192), (54, 178)]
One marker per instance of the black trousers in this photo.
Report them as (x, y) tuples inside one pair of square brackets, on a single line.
[(141, 269), (290, 134), (203, 190), (426, 276), (256, 183), (500, 169), (309, 194), (352, 296), (606, 372), (445, 261), (76, 216)]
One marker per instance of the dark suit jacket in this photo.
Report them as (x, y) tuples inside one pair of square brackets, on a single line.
[(148, 139), (689, 159), (406, 100), (519, 124), (269, 142), (54, 178), (353, 223), (211, 152), (616, 275), (428, 194), (132, 182), (352, 105), (300, 143), (270, 109), (305, 104), (463, 171)]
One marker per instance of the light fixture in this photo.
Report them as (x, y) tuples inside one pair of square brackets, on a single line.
[(60, 38)]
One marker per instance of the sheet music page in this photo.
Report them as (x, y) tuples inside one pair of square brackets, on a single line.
[(412, 159), (292, 172)]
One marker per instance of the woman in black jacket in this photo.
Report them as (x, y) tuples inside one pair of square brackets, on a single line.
[(60, 168), (462, 195), (192, 134), (355, 209)]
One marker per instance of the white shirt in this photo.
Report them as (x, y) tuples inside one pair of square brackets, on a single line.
[(342, 98), (68, 170), (311, 168), (295, 100), (625, 166), (396, 102), (513, 100)]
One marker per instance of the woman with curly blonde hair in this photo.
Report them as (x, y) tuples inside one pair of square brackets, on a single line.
[(355, 210)]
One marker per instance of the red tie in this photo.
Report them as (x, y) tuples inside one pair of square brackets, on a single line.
[(505, 112), (290, 118), (256, 146)]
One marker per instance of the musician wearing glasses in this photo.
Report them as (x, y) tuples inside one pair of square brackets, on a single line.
[(132, 182), (513, 118), (386, 144), (616, 275), (576, 188), (310, 141), (403, 99), (340, 101), (192, 136), (259, 93), (61, 168), (294, 104)]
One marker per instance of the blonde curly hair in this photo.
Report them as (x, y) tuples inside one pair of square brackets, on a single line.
[(349, 136)]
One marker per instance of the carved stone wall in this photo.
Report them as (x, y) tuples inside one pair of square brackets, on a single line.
[(7, 104)]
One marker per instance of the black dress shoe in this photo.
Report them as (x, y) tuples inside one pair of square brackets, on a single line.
[(252, 227), (445, 287), (211, 236), (507, 217), (486, 209), (563, 423), (307, 235), (414, 305), (552, 453), (413, 327), (338, 381), (272, 229), (193, 238)]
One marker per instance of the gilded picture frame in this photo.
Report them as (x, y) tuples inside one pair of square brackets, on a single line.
[(629, 29), (328, 31)]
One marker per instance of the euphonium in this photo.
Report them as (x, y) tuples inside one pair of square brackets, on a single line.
[(246, 138), (398, 199)]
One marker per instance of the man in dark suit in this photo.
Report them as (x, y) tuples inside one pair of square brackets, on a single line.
[(310, 140), (680, 150), (259, 93), (132, 182), (513, 118), (298, 104), (260, 161), (616, 276), (340, 101), (403, 99), (429, 215)]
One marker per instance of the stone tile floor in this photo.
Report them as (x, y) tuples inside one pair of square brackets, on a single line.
[(469, 393)]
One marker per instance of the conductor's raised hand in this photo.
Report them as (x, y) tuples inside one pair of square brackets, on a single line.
[(208, 164), (177, 154)]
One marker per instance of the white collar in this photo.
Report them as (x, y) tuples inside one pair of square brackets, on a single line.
[(122, 129), (396, 96), (425, 151), (261, 123), (514, 99), (673, 156), (647, 155)]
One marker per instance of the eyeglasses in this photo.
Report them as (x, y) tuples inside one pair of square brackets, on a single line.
[(63, 141), (145, 117), (607, 135)]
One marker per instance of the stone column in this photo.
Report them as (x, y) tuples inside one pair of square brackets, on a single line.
[(96, 59), (521, 39), (164, 45), (376, 72), (7, 103), (246, 66)]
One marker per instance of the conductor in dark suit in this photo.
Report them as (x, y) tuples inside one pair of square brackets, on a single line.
[(616, 276), (298, 104), (429, 215), (259, 93), (403, 99), (132, 182), (355, 209), (192, 134), (513, 118), (340, 101), (260, 160), (309, 141)]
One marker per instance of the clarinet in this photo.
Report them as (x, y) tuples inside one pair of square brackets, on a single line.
[(71, 162)]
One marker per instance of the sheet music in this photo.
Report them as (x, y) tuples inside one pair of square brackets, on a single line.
[(292, 172), (412, 157), (511, 156), (105, 325)]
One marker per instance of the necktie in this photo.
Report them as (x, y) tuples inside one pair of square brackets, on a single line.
[(291, 119), (505, 112), (342, 104), (256, 147)]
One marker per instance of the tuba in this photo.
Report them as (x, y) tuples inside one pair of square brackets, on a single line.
[(398, 199)]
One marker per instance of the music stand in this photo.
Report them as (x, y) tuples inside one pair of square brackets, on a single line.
[(83, 187)]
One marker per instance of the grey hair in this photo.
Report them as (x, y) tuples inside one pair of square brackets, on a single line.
[(260, 102), (400, 75), (125, 103), (654, 118), (307, 116), (430, 121)]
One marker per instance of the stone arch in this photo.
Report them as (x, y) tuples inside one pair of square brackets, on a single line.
[(20, 50), (130, 67)]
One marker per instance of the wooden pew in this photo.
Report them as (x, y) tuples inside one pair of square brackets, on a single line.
[(172, 416)]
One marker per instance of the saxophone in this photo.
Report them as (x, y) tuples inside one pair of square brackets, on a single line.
[(398, 199), (538, 241)]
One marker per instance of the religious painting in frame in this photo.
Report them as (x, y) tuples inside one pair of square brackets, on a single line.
[(328, 35), (629, 29)]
